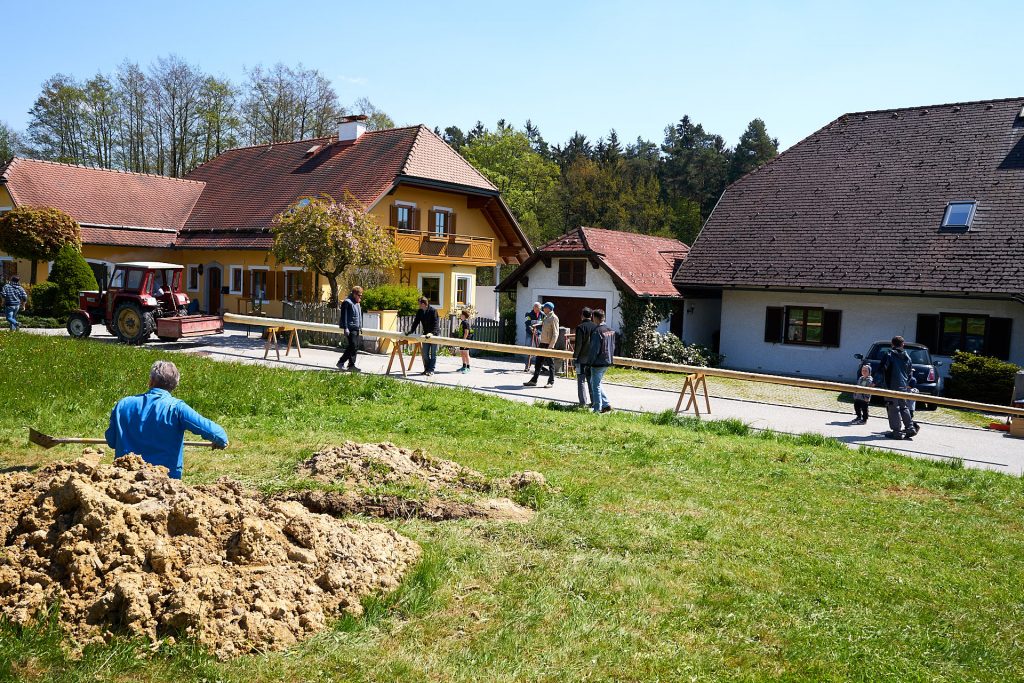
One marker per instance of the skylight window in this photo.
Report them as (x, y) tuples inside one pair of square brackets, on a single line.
[(959, 214)]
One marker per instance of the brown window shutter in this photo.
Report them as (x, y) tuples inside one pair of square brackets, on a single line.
[(774, 321), (997, 337), (451, 223), (928, 331), (414, 220), (307, 293), (394, 216), (281, 291), (247, 284), (271, 293), (431, 220), (830, 328)]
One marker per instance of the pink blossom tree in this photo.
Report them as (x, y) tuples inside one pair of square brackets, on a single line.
[(327, 237)]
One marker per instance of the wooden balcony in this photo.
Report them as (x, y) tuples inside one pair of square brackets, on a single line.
[(429, 246)]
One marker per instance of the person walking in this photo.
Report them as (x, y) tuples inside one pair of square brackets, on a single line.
[(14, 298), (351, 320), (153, 424), (580, 353), (601, 354), (895, 370), (860, 401), (548, 337), (465, 332), (428, 320)]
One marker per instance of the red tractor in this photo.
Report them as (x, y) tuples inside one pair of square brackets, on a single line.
[(142, 298)]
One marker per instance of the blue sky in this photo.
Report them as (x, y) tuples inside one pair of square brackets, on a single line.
[(587, 66)]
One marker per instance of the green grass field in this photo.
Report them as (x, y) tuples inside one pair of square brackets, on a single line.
[(674, 551)]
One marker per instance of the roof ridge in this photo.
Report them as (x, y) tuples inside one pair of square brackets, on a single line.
[(98, 168), (462, 158), (930, 106)]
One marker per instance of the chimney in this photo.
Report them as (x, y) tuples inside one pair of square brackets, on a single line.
[(351, 127)]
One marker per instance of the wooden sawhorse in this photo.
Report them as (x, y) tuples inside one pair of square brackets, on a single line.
[(398, 350), (270, 342), (691, 384)]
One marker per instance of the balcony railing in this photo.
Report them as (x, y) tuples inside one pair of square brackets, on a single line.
[(446, 246)]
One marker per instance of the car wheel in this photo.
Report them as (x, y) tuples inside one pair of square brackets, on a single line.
[(133, 325), (79, 325)]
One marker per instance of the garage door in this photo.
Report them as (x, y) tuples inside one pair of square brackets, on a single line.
[(569, 308)]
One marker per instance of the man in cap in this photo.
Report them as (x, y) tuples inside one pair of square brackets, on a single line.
[(548, 337), (14, 298)]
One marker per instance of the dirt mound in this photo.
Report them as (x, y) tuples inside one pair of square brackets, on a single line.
[(363, 467), (372, 464), (123, 548)]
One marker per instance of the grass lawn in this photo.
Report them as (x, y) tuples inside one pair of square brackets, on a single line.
[(674, 551)]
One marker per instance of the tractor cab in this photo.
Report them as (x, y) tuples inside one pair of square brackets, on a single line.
[(141, 298)]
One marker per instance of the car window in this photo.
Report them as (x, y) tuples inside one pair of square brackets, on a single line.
[(919, 356), (878, 351)]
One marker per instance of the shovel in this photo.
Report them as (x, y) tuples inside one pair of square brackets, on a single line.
[(47, 441)]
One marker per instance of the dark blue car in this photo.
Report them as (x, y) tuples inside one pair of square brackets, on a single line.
[(929, 381)]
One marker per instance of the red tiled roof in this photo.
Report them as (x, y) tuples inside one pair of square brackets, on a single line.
[(859, 205), (249, 239), (641, 264), (247, 187), (99, 197), (127, 238)]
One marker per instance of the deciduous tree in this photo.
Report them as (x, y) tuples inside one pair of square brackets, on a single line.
[(327, 237), (37, 234)]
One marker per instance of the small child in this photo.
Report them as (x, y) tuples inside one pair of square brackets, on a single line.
[(464, 333), (860, 401)]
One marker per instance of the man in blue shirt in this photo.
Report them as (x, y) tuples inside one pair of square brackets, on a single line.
[(14, 299), (153, 424)]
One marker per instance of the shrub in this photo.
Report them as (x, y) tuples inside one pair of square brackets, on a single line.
[(71, 274), (981, 378), (42, 298), (390, 298), (649, 344)]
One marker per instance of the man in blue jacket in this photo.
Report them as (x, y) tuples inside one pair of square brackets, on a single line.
[(896, 370), (351, 320), (153, 424), (430, 321)]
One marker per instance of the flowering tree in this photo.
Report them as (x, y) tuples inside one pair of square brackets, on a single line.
[(327, 237), (37, 234)]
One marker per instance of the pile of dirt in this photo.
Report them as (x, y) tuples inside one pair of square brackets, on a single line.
[(363, 467), (125, 549)]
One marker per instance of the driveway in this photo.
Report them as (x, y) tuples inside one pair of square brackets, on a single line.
[(979, 448)]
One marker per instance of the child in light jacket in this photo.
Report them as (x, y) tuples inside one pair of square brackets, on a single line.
[(860, 401)]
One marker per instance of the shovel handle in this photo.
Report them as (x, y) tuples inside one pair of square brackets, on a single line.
[(201, 444)]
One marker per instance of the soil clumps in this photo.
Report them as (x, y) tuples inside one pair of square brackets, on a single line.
[(451, 491), (125, 549)]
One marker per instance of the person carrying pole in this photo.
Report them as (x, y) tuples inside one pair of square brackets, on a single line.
[(351, 320)]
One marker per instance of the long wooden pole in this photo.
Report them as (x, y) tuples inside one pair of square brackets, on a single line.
[(636, 363)]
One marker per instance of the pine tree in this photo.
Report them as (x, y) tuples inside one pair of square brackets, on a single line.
[(72, 275), (754, 149)]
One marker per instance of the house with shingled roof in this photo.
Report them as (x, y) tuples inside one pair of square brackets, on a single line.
[(600, 269), (903, 221), (446, 218)]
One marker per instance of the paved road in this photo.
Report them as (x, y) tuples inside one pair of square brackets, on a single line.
[(975, 447)]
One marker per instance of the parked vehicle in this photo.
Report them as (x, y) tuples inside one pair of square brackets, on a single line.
[(926, 373), (142, 298)]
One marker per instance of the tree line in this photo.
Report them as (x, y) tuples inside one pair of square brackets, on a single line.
[(667, 189), (171, 117)]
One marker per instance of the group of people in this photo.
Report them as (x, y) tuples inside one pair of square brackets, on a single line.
[(427, 319), (14, 299), (593, 352), (895, 372)]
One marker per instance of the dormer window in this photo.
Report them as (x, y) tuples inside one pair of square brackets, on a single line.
[(959, 215)]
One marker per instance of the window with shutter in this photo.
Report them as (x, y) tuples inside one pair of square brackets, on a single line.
[(831, 329), (928, 331), (281, 286), (997, 337), (572, 272)]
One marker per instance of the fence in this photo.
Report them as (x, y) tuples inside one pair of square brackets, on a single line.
[(484, 329)]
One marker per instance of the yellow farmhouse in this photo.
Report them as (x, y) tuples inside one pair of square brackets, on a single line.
[(447, 219)]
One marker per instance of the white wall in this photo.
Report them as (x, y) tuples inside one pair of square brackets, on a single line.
[(486, 302), (866, 319), (544, 284), (701, 323)]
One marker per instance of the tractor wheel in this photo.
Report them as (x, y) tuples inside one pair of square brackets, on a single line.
[(133, 325), (79, 325)]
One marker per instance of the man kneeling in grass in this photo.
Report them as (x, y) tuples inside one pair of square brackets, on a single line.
[(153, 424)]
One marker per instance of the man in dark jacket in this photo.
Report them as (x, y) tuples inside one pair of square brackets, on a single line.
[(427, 318), (580, 353), (14, 299), (351, 320), (895, 370), (599, 359)]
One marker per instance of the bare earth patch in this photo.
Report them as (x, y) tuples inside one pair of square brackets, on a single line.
[(362, 467), (125, 549)]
